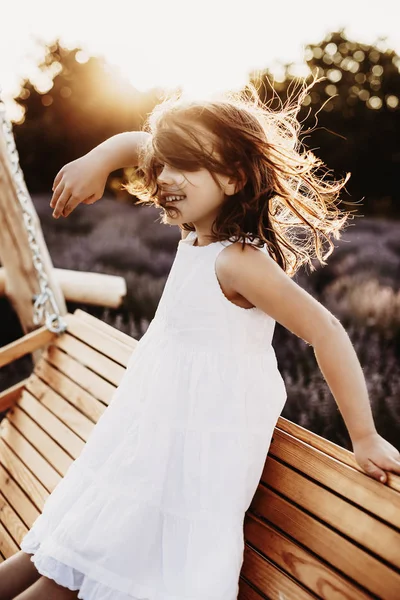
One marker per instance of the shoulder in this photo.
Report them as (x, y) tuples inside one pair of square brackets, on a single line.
[(254, 275), (234, 256), (234, 262)]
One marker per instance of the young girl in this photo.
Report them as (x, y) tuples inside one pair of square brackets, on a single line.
[(153, 507)]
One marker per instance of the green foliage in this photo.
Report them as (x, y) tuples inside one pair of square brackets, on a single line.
[(351, 117)]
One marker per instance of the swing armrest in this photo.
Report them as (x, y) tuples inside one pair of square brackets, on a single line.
[(25, 345)]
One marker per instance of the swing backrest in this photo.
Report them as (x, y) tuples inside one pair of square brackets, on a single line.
[(318, 527)]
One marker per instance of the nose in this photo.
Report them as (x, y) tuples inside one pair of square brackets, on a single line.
[(165, 175), (170, 179)]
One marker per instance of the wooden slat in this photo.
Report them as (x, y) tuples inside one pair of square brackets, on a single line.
[(97, 362), (300, 563), (270, 579), (329, 448), (48, 448), (8, 546), (84, 402), (105, 327), (323, 541), (54, 402), (10, 396), (35, 462), (95, 337), (317, 441), (17, 498), (27, 344), (10, 520), (62, 435), (246, 592), (97, 387), (358, 487), (34, 489), (333, 510)]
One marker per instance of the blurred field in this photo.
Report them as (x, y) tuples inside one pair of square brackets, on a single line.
[(360, 285)]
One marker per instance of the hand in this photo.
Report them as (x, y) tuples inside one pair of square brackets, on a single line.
[(374, 454), (81, 181)]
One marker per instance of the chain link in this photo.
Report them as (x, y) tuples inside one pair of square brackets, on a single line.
[(53, 320)]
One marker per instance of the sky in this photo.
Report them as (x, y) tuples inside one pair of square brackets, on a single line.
[(202, 46)]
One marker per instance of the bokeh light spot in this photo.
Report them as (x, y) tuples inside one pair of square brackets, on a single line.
[(331, 90), (308, 54), (81, 57), (315, 97), (65, 92), (334, 75), (377, 70), (392, 101), (47, 100), (344, 48), (331, 48), (328, 107), (374, 56), (364, 95), (360, 77), (374, 102), (359, 55), (375, 85)]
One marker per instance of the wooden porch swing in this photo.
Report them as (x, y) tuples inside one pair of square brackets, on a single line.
[(318, 526)]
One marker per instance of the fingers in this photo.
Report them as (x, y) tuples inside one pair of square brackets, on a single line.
[(57, 179), (373, 470), (56, 195), (69, 207), (59, 203), (378, 473)]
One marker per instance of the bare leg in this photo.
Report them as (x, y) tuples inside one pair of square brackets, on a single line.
[(48, 589), (17, 573)]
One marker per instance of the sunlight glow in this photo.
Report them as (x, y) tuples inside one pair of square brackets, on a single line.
[(202, 49)]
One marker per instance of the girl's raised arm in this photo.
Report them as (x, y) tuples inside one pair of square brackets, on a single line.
[(121, 150), (83, 180)]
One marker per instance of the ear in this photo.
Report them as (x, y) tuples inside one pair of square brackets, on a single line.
[(235, 184)]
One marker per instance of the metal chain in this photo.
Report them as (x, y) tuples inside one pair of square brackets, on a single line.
[(53, 320)]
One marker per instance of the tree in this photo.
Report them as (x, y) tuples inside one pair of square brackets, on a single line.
[(87, 102), (353, 113)]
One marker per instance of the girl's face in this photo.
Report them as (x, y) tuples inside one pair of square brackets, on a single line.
[(203, 197)]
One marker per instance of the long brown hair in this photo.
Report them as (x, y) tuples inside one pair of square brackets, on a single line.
[(283, 203)]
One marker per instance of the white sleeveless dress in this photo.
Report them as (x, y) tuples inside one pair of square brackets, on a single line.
[(153, 507)]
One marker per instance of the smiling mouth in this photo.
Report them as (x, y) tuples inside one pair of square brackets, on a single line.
[(174, 198), (167, 203)]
